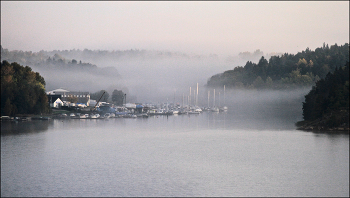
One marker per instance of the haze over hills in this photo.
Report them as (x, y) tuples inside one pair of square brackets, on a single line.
[(285, 71), (160, 49), (161, 76), (144, 75), (157, 76)]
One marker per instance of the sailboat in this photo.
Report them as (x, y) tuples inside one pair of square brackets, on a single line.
[(224, 108), (215, 109)]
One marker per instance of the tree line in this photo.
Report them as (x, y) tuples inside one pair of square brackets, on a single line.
[(56, 61), (285, 71), (29, 57), (329, 99), (22, 90), (118, 96)]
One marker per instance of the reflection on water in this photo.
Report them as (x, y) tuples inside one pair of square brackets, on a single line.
[(19, 128), (211, 154)]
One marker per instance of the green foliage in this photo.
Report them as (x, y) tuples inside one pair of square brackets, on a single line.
[(22, 90), (8, 107), (330, 94), (258, 82), (97, 95), (118, 97), (285, 71)]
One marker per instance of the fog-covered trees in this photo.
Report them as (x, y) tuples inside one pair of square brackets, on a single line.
[(97, 95), (55, 60), (285, 71), (118, 97), (22, 90)]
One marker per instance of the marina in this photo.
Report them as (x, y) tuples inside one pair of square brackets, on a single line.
[(103, 110)]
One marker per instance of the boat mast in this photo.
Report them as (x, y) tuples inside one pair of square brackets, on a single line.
[(224, 96), (197, 96), (194, 98), (214, 99), (99, 101), (189, 102), (208, 98), (167, 109), (183, 98)]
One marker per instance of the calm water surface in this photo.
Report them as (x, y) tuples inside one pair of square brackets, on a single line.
[(210, 154)]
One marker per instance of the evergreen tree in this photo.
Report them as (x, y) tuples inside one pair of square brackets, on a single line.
[(287, 70), (330, 94), (118, 97)]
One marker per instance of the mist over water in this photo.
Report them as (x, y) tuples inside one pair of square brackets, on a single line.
[(268, 106), (170, 79), (145, 78), (155, 80), (252, 149)]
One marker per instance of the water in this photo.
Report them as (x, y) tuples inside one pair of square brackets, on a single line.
[(212, 154)]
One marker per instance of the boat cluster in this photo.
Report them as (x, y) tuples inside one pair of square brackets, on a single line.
[(148, 110)]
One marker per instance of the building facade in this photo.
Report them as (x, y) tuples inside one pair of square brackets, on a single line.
[(65, 95)]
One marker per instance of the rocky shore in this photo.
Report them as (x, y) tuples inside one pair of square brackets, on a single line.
[(332, 122)]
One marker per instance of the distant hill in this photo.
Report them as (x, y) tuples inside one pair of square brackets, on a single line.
[(285, 71), (148, 74), (60, 71), (54, 61)]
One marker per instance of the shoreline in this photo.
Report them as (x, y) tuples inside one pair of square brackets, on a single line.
[(319, 126)]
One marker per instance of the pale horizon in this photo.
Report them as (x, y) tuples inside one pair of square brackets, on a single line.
[(223, 28)]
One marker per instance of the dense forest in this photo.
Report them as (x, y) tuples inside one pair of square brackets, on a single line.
[(62, 72), (285, 71), (22, 90), (49, 61), (327, 104)]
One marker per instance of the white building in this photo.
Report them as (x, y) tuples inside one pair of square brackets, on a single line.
[(83, 97), (57, 103)]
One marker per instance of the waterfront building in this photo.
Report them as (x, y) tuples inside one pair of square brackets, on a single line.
[(64, 95)]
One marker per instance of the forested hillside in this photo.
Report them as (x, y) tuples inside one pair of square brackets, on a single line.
[(54, 61), (60, 71), (326, 106), (22, 90), (285, 71)]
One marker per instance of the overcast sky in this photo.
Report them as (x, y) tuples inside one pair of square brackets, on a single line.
[(223, 28)]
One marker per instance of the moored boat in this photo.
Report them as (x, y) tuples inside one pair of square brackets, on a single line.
[(159, 112), (215, 109)]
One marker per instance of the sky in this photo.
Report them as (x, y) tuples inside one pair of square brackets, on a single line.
[(198, 27)]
